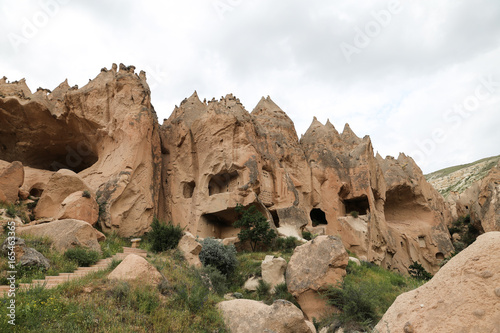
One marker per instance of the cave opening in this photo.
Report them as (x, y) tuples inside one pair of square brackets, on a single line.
[(318, 217), (223, 182), (276, 218), (361, 205), (188, 189)]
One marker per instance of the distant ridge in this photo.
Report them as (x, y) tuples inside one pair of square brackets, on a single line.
[(459, 178)]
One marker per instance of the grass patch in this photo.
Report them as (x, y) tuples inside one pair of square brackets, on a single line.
[(365, 295)]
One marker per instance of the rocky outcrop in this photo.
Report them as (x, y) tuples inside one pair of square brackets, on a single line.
[(273, 271), (190, 249), (11, 179), (65, 234), (106, 132), (80, 205), (248, 316), (24, 255), (416, 216), (462, 297), (485, 211), (135, 267), (208, 157), (312, 268)]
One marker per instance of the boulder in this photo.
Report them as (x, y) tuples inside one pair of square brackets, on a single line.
[(273, 271), (79, 205), (135, 267), (65, 234), (60, 186), (251, 284), (464, 296), (26, 256), (248, 316), (355, 260), (312, 268), (485, 211), (11, 179), (190, 249)]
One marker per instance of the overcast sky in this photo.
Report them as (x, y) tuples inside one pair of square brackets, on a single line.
[(421, 78)]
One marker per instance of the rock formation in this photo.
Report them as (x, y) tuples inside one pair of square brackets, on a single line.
[(464, 296), (207, 157), (25, 256), (485, 211), (106, 132), (135, 267), (314, 267), (248, 316)]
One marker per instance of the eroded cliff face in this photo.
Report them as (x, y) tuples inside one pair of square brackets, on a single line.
[(106, 131), (207, 157)]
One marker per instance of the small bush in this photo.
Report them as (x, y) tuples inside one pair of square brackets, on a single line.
[(215, 254), (354, 214), (164, 236), (418, 271), (82, 256), (254, 227), (11, 211), (263, 289), (120, 292), (285, 244), (192, 298), (215, 280), (86, 194), (307, 235)]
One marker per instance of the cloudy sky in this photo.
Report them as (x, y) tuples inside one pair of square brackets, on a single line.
[(421, 78)]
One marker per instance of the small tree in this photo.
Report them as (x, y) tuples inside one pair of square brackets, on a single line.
[(418, 271), (254, 227)]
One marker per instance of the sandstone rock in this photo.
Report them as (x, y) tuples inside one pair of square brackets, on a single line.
[(485, 210), (355, 260), (273, 271), (23, 195), (135, 267), (242, 316), (312, 268), (60, 186), (251, 284), (3, 197), (106, 131), (190, 249), (65, 234), (79, 206), (459, 298), (11, 179), (26, 256)]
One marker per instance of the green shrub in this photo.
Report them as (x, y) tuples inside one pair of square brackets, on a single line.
[(215, 280), (164, 236), (86, 194), (418, 271), (307, 235), (263, 289), (254, 227), (354, 214), (285, 244), (193, 297), (120, 292), (11, 211), (214, 253), (82, 256)]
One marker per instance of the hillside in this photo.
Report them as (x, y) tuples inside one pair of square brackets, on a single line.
[(459, 178)]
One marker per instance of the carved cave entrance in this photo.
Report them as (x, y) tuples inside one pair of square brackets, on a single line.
[(360, 205), (318, 217), (220, 224), (30, 134), (223, 182)]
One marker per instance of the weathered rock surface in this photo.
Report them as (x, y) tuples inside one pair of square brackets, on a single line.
[(313, 267), (79, 205), (106, 132), (273, 271), (26, 256), (464, 296), (248, 316), (485, 211), (65, 234), (135, 267), (11, 179), (207, 157), (190, 249)]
